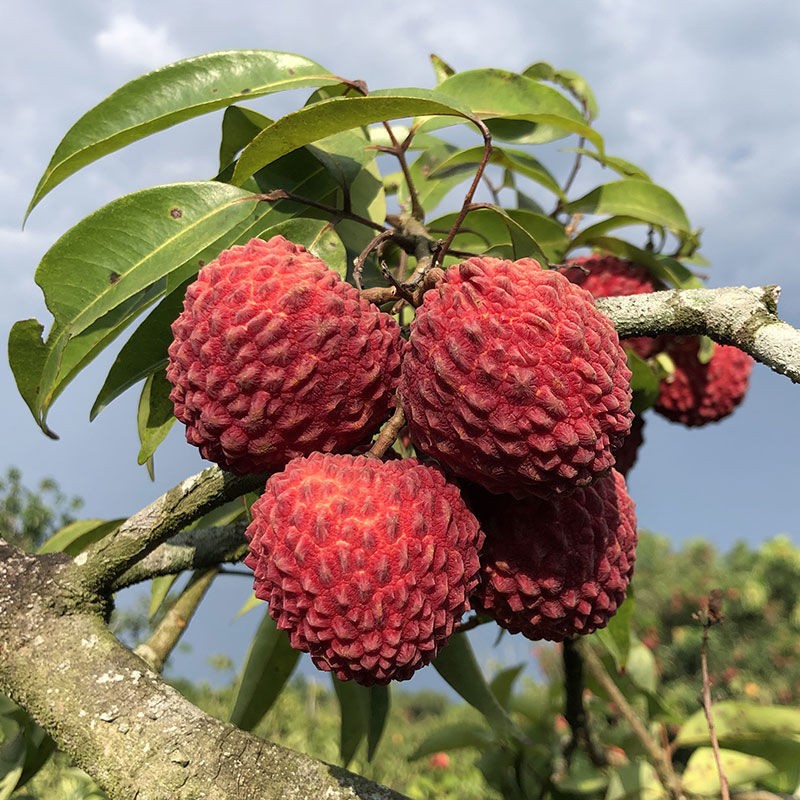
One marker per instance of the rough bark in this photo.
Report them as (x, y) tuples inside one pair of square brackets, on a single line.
[(136, 735)]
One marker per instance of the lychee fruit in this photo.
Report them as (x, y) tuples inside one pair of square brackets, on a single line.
[(274, 356), (628, 451), (553, 569), (367, 564), (514, 380), (696, 393), (609, 276)]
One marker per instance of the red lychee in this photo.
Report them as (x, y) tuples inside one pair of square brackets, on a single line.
[(609, 276), (552, 569), (628, 451), (274, 356), (367, 564), (696, 394), (514, 380)]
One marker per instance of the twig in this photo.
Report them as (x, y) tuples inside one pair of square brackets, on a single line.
[(574, 709), (398, 150), (276, 195), (167, 634), (374, 244), (710, 613), (465, 208), (658, 757), (388, 433)]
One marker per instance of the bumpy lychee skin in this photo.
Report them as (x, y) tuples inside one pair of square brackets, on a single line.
[(514, 380), (367, 564), (274, 356), (696, 393), (552, 569), (609, 276)]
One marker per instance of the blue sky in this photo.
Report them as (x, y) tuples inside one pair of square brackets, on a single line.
[(703, 95)]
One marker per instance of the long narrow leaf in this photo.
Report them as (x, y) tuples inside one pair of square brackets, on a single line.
[(173, 94)]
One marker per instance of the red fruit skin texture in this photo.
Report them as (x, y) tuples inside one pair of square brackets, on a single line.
[(513, 379), (627, 453), (368, 565), (696, 393), (274, 356), (552, 569), (609, 276)]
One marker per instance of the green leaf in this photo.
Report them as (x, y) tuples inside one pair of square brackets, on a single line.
[(106, 269), (159, 589), (736, 720), (75, 537), (173, 94), (518, 108), (441, 68), (457, 664), (644, 382), (616, 636), (268, 666), (240, 126), (641, 667), (364, 712), (625, 168), (643, 200), (569, 80), (455, 737), (666, 269), (12, 756), (701, 776), (155, 416), (463, 161), (503, 683), (430, 190), (251, 603), (315, 122), (494, 231), (634, 781), (599, 229)]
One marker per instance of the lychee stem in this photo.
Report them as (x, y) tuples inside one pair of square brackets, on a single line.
[(388, 434)]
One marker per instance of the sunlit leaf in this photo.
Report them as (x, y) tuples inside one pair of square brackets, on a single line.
[(701, 776), (733, 719), (240, 126), (173, 94), (155, 416), (625, 168), (644, 384), (441, 68), (76, 536), (315, 122), (616, 636), (643, 200)]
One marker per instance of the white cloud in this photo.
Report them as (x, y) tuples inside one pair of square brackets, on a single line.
[(132, 43)]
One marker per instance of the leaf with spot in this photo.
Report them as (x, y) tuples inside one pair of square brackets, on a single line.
[(108, 268), (173, 94)]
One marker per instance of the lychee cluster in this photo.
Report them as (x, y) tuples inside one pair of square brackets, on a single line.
[(510, 378)]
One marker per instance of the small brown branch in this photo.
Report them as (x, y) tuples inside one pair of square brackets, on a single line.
[(388, 433), (465, 208), (710, 614), (574, 708), (276, 195), (398, 149), (658, 757), (360, 259), (155, 651)]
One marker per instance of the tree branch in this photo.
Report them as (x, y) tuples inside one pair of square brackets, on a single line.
[(741, 316), (98, 567), (198, 548), (135, 734)]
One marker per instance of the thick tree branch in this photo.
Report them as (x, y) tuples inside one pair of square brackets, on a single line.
[(136, 735), (198, 548), (741, 316), (98, 567)]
